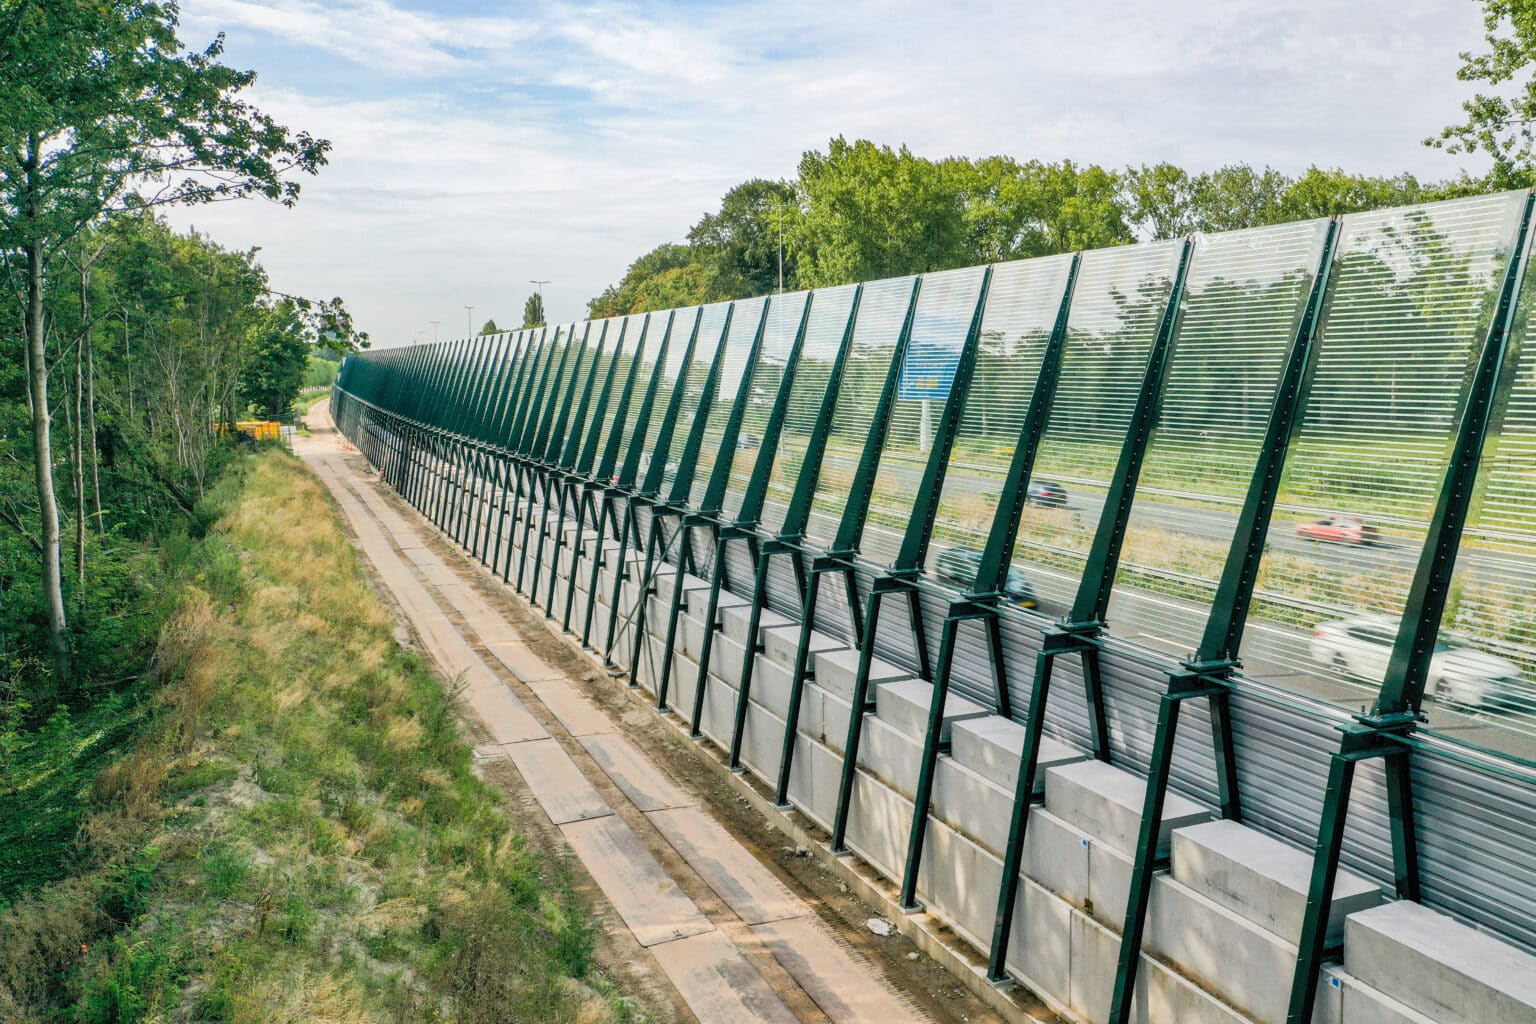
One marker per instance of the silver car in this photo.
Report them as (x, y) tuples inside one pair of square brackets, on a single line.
[(1361, 647)]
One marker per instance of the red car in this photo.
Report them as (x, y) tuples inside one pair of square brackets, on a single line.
[(1338, 529)]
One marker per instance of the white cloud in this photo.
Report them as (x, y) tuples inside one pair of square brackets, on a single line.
[(474, 152)]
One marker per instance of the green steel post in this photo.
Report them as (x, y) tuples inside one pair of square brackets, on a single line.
[(1149, 858), (1053, 646), (808, 599)]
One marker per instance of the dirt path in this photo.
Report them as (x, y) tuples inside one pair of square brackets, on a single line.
[(708, 910)]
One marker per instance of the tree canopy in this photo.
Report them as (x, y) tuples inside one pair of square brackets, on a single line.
[(861, 211)]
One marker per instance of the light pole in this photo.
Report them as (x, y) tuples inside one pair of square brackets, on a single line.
[(538, 289), (434, 324), (779, 207), (469, 320)]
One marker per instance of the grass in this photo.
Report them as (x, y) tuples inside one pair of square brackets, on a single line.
[(297, 833)]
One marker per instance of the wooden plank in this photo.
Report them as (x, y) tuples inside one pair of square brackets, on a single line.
[(719, 984), (561, 789), (847, 991), (643, 781)]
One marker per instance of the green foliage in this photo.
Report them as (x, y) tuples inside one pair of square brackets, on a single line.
[(279, 363), (859, 211), (1501, 122), (299, 832), (318, 372), (533, 311), (489, 327)]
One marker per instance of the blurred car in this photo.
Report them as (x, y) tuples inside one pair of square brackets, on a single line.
[(745, 442), (1338, 530), (1362, 646), (1046, 493), (959, 565)]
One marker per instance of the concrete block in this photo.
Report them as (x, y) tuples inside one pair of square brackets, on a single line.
[(762, 742), (734, 622), (666, 583), (1109, 883), (770, 686), (1106, 803), (1056, 857), (905, 706), (991, 747), (890, 755), (1355, 1002), (1040, 944), (1161, 997), (813, 780), (879, 820), (969, 802), (697, 602), (836, 670), (1247, 966), (959, 882), (834, 725), (1438, 966), (1262, 879), (782, 643)]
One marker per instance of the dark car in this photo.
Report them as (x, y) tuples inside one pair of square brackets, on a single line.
[(959, 564), (1047, 494)]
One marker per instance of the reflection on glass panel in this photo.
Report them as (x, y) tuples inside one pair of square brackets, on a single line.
[(1022, 304), (555, 391), (882, 311), (784, 312), (518, 393), (611, 349), (1245, 295), (636, 332), (824, 332), (1409, 304), (534, 389), (733, 369), (669, 372), (584, 336), (945, 308), (1117, 307), (501, 385), (691, 379)]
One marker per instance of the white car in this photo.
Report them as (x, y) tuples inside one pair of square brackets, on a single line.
[(1362, 646)]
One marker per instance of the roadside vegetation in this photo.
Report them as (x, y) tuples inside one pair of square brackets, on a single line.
[(296, 832)]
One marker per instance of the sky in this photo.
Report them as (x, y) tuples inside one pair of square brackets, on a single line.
[(480, 146)]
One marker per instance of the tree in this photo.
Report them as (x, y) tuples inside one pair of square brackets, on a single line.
[(870, 211), (102, 108), (533, 311), (490, 328), (1160, 199), (619, 299), (275, 374), (739, 246), (1501, 122)]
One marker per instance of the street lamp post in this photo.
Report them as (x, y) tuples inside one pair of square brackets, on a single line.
[(778, 208), (434, 324), (469, 320)]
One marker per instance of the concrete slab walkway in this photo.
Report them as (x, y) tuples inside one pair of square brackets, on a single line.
[(703, 950)]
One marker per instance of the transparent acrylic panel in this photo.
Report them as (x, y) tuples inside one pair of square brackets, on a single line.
[(745, 318), (1480, 687), (579, 367), (694, 377), (517, 389), (784, 313), (945, 308), (612, 349), (1244, 298), (1022, 304), (555, 389), (676, 371), (882, 311), (1409, 303), (538, 373), (641, 342), (830, 309), (1117, 308), (501, 384)]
